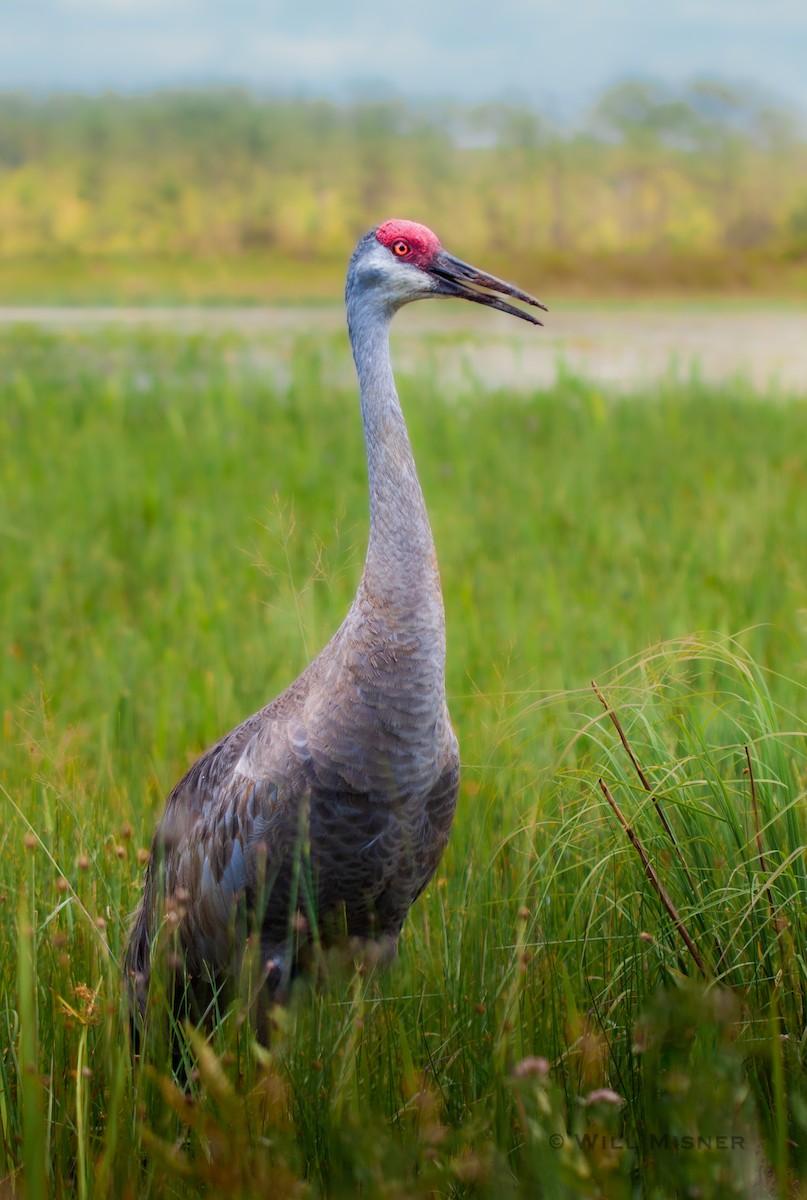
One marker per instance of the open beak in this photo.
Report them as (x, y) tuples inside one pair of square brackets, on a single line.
[(457, 278)]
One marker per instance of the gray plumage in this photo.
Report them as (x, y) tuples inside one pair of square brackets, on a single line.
[(330, 809)]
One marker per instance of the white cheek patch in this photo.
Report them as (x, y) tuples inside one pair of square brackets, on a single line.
[(402, 281)]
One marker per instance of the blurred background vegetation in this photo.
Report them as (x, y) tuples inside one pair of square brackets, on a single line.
[(224, 195)]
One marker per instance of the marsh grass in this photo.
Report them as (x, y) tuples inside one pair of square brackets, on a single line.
[(178, 536)]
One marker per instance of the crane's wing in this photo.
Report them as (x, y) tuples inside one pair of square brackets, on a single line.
[(239, 824), (230, 830)]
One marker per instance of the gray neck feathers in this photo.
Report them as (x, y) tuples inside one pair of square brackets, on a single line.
[(401, 566), (399, 603), (381, 711)]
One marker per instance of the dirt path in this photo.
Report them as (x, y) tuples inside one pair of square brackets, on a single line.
[(618, 346)]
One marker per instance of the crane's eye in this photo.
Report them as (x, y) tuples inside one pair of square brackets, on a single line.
[(401, 248)]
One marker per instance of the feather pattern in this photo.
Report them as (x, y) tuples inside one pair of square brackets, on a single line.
[(330, 808)]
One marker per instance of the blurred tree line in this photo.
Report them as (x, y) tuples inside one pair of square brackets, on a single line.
[(701, 185)]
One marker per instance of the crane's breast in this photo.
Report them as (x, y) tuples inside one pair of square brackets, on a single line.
[(373, 857), (281, 827)]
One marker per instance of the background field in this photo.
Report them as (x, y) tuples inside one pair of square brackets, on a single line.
[(230, 197), (182, 525)]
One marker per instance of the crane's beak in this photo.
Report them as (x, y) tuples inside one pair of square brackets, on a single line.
[(457, 278)]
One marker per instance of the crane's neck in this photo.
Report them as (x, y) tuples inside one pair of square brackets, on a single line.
[(401, 567)]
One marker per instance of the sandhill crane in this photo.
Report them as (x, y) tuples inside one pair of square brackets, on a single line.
[(330, 808)]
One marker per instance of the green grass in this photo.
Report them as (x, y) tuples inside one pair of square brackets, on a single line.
[(256, 278), (178, 535)]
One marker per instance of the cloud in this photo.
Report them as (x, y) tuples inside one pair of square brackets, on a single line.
[(408, 60), (741, 15), (535, 48), (113, 8), (310, 54)]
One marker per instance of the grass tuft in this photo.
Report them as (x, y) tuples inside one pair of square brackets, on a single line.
[(548, 1028)]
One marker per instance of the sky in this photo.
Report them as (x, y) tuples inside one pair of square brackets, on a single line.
[(554, 53)]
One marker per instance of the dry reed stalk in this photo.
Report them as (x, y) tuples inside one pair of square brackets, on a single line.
[(654, 880)]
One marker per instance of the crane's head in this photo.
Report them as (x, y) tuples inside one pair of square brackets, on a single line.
[(403, 261)]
